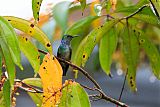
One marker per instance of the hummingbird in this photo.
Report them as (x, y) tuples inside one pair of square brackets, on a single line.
[(65, 52)]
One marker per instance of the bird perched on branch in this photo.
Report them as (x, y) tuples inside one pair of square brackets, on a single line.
[(65, 52)]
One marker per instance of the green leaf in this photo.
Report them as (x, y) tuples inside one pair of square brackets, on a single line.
[(31, 53), (36, 4), (8, 59), (88, 43), (83, 4), (7, 93), (81, 25), (10, 38), (131, 54), (151, 51), (148, 19), (108, 45), (73, 95), (60, 14), (145, 15), (37, 98), (30, 29), (133, 8), (1, 59), (33, 81), (2, 102)]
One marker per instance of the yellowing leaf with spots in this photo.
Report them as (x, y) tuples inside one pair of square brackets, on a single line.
[(30, 29), (51, 75), (130, 51), (88, 43), (36, 4), (31, 53), (151, 51)]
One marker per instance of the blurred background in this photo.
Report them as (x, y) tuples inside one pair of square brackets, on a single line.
[(148, 94)]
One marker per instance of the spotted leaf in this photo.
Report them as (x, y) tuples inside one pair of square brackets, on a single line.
[(31, 53), (73, 95), (130, 51), (36, 4), (10, 38), (30, 29), (88, 43), (151, 51), (51, 76)]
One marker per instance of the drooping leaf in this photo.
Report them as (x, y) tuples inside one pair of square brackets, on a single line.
[(37, 98), (2, 102), (130, 50), (73, 95), (36, 4), (51, 75), (60, 14), (33, 81), (83, 4), (7, 93), (133, 8), (108, 45), (1, 59), (31, 30), (80, 25), (8, 59), (9, 36), (148, 19), (145, 15), (30, 51), (88, 43), (151, 51)]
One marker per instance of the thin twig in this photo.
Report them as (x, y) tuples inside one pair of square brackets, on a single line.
[(136, 12), (78, 68), (123, 87), (28, 88), (107, 98), (98, 88), (102, 95), (154, 9)]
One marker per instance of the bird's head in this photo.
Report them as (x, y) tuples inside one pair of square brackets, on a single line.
[(67, 38)]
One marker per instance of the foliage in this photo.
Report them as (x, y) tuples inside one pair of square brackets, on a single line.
[(111, 25)]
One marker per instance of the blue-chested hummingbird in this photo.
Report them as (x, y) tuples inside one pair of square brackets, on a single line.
[(65, 52)]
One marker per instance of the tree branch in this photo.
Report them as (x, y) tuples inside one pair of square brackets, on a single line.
[(102, 95), (78, 68), (98, 88)]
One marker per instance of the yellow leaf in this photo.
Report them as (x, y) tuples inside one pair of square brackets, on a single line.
[(51, 75), (113, 3)]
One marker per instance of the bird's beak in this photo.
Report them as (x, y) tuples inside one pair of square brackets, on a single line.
[(75, 36)]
